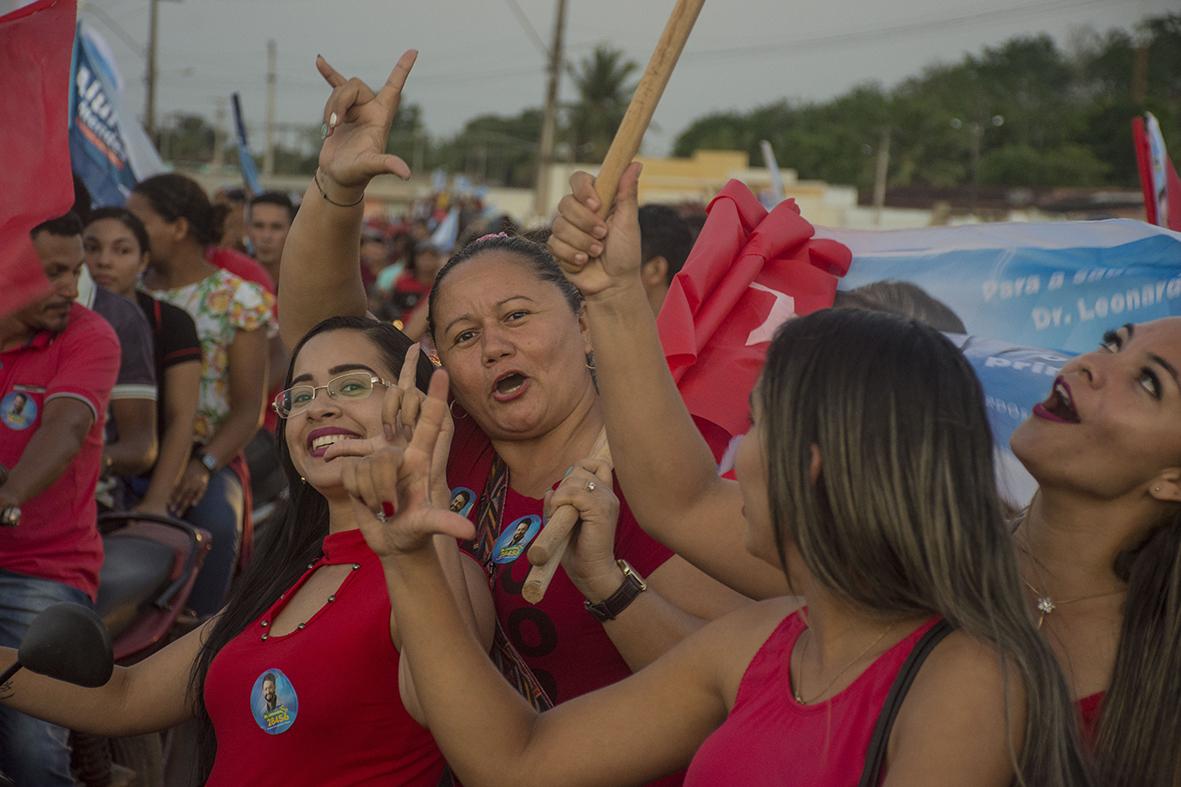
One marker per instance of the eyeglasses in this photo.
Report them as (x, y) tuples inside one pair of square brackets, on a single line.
[(352, 385)]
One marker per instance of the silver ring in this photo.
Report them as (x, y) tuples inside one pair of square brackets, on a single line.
[(380, 517), (591, 486)]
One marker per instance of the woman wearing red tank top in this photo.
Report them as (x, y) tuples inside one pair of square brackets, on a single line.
[(866, 479), (1099, 550), (299, 680)]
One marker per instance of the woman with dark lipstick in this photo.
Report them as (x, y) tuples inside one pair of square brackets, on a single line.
[(509, 329), (1100, 546), (299, 680)]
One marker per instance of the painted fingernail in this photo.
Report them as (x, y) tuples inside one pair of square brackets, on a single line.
[(599, 232), (323, 131), (387, 508), (569, 470), (596, 249), (332, 120)]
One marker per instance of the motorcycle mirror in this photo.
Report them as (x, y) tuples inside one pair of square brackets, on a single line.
[(68, 642)]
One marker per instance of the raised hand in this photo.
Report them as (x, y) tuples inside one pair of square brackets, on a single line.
[(598, 255), (393, 488), (357, 122)]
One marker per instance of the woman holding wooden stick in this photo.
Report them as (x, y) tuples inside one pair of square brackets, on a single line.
[(877, 505), (508, 328)]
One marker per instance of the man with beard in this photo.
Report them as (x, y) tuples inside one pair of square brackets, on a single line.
[(58, 362)]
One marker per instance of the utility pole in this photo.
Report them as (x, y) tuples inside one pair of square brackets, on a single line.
[(545, 153), (272, 79), (150, 108), (880, 173)]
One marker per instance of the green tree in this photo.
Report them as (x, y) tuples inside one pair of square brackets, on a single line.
[(602, 80)]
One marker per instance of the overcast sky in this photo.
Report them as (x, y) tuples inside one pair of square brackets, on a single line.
[(476, 57)]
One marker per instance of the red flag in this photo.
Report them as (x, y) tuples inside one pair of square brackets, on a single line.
[(749, 271), (36, 43), (1158, 178)]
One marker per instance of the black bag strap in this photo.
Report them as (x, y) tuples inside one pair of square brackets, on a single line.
[(875, 756)]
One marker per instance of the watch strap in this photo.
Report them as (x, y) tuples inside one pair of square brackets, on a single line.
[(614, 605)]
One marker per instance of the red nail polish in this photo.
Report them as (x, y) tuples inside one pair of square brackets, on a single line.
[(387, 508)]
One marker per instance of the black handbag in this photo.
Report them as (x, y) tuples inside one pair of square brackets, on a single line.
[(875, 756)]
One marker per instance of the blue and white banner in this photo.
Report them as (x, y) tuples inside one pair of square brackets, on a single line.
[(109, 150), (1019, 299), (1059, 285)]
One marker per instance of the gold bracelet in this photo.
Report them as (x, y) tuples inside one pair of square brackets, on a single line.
[(329, 200)]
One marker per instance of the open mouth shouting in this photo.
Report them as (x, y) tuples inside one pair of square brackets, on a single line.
[(320, 439), (1059, 406), (509, 386)]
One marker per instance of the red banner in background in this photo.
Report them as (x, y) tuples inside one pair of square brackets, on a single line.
[(1158, 178), (749, 271), (36, 43)]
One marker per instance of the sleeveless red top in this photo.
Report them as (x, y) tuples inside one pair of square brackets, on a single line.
[(319, 705), (770, 739), (1088, 711)]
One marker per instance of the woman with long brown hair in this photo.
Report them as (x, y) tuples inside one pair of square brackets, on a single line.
[(877, 506), (1099, 549)]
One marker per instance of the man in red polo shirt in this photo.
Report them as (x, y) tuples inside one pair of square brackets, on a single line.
[(58, 362)]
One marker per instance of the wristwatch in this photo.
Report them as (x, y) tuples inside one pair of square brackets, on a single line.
[(612, 606), (208, 461), (10, 516)]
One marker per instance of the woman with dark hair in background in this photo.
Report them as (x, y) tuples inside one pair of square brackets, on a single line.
[(116, 247), (298, 680), (508, 328), (877, 506), (232, 317)]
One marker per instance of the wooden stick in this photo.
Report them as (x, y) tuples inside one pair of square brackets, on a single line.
[(547, 550), (561, 522), (635, 122)]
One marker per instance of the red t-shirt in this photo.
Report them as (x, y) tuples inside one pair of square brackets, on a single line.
[(335, 715), (566, 648), (57, 538), (241, 265), (770, 739)]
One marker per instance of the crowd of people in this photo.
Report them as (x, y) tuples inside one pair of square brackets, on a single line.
[(856, 608)]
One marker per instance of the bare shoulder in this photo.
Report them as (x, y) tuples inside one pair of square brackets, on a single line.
[(963, 669), (735, 638), (964, 711)]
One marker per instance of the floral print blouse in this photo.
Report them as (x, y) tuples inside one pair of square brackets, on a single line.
[(221, 305)]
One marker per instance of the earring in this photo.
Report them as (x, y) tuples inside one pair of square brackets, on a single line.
[(302, 480)]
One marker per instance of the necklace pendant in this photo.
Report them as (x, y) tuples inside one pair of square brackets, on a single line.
[(1045, 605)]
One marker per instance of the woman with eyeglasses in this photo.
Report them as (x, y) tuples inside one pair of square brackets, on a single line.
[(298, 680), (510, 331)]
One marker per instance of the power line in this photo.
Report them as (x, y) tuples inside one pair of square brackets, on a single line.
[(116, 28), (838, 39)]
